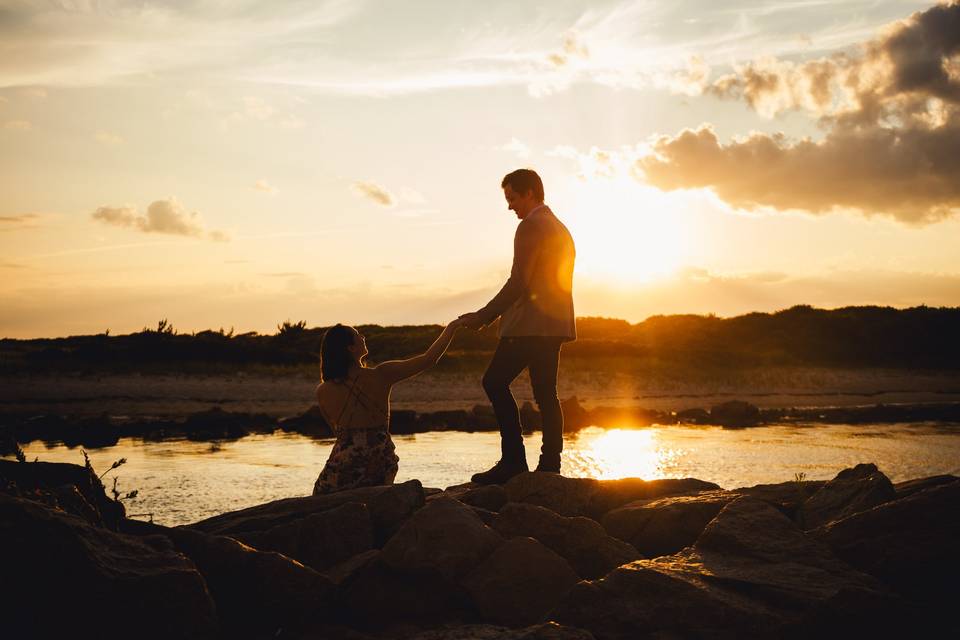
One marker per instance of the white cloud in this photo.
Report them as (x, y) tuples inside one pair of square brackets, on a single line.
[(162, 216), (374, 192), (265, 187), (517, 148)]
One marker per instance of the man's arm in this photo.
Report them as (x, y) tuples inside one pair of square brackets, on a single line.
[(517, 285)]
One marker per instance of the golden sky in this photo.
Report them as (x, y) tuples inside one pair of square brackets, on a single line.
[(241, 163)]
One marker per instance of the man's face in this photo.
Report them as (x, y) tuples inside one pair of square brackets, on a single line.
[(520, 203)]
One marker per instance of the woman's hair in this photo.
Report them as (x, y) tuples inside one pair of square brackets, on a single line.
[(335, 357)]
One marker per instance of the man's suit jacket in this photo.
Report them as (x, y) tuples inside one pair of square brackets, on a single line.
[(537, 299)]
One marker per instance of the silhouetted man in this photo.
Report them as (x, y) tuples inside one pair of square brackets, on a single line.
[(535, 308)]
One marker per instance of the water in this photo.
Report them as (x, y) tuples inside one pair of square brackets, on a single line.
[(180, 481)]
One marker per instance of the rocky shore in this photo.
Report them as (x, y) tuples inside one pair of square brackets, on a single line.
[(543, 557), (217, 424)]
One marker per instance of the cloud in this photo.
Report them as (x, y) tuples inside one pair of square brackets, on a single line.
[(265, 187), (18, 125), (891, 115), (23, 217), (374, 192), (516, 147), (108, 139), (11, 265), (163, 216), (34, 92), (19, 222)]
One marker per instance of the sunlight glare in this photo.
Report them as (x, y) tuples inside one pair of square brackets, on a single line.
[(627, 453)]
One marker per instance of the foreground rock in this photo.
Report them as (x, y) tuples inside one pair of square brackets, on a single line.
[(904, 543), (580, 541), (752, 572), (545, 631), (59, 571), (852, 490)]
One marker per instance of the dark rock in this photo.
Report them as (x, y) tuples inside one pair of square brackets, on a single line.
[(910, 487), (97, 432), (445, 537), (257, 593), (319, 540), (580, 541), (64, 482), (611, 494), (520, 582), (215, 423), (490, 497), (388, 506), (483, 418), (530, 418), (907, 543), (545, 631), (697, 415), (852, 490), (59, 570), (310, 422), (575, 417), (751, 573), (666, 525), (735, 414), (403, 421), (785, 496), (349, 567)]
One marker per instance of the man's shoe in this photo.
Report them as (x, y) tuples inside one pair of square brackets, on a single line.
[(548, 464), (500, 472)]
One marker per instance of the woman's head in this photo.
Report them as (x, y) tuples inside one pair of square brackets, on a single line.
[(342, 347)]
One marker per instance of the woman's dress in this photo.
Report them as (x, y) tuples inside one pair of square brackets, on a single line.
[(362, 456)]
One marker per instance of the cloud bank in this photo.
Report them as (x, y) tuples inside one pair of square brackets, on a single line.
[(162, 216), (891, 112)]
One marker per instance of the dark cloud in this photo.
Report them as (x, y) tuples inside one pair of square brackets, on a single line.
[(18, 219), (376, 193), (891, 113), (163, 216)]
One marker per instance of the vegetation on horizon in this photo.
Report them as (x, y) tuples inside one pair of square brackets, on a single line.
[(868, 336)]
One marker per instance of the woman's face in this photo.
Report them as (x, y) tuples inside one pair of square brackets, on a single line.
[(359, 347)]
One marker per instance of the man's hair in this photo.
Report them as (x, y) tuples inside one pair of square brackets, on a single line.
[(523, 180)]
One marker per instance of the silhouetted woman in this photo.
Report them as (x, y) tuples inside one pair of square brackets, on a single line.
[(354, 399)]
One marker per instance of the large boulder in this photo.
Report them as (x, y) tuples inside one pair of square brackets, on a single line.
[(785, 496), (520, 582), (667, 525), (852, 490), (580, 541), (544, 631), (257, 593), (445, 538), (64, 577), (319, 540), (910, 487), (751, 573), (71, 487), (735, 414), (908, 543), (388, 506), (490, 497)]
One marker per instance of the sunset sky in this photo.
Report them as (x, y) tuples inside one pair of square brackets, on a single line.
[(241, 163)]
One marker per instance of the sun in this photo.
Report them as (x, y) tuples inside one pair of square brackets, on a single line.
[(625, 232)]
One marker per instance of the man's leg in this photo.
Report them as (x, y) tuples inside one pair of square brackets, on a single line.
[(544, 363), (508, 361)]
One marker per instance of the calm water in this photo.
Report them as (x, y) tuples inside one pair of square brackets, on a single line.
[(181, 481)]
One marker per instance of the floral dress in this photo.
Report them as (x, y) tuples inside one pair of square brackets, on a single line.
[(361, 457)]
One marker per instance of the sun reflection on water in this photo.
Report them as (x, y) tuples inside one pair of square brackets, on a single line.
[(622, 453)]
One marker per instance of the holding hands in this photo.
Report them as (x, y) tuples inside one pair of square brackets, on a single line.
[(471, 320)]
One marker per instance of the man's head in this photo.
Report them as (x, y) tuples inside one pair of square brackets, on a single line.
[(523, 190)]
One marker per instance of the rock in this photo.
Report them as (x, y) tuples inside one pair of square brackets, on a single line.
[(735, 414), (445, 537), (403, 421), (566, 496), (349, 567), (77, 489), (696, 415), (490, 497), (59, 571), (910, 487), (530, 418), (257, 593), (377, 594), (545, 631), (667, 525), (388, 505), (310, 422), (520, 582), (580, 541), (852, 490), (785, 496), (907, 543), (611, 494), (319, 540), (751, 573), (482, 418), (575, 417)]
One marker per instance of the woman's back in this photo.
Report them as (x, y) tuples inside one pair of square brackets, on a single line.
[(360, 401)]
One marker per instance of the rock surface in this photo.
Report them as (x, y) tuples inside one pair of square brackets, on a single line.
[(580, 541), (59, 570), (545, 631), (667, 525), (852, 490), (520, 582)]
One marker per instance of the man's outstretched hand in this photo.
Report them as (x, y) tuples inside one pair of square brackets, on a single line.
[(471, 320)]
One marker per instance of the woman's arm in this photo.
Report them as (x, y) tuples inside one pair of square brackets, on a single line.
[(394, 371)]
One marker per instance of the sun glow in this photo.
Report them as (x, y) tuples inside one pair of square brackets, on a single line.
[(626, 232), (624, 453)]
